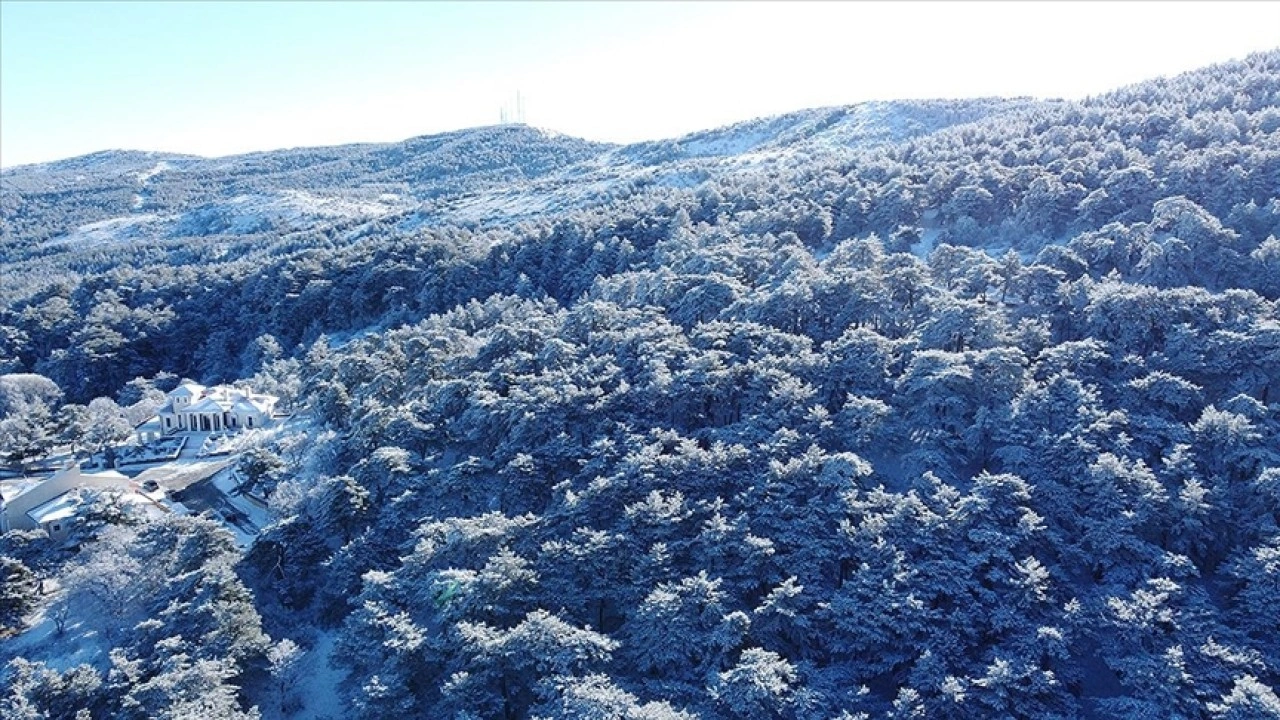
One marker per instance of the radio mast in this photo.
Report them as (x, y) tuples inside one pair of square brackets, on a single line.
[(508, 115)]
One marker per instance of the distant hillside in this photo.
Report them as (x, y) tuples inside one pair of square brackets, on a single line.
[(825, 129), (130, 196), (160, 196)]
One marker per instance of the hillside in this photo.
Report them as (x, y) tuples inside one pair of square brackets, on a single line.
[(489, 175), (960, 409)]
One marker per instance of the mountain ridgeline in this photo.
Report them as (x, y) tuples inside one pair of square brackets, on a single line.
[(961, 409)]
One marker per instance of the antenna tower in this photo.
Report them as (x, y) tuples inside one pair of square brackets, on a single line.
[(507, 114)]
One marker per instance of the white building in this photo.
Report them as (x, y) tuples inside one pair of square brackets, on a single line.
[(52, 504), (148, 431), (196, 408)]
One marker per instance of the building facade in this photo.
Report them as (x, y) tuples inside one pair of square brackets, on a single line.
[(196, 408)]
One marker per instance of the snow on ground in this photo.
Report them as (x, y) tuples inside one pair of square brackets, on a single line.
[(186, 478), (547, 133), (246, 438), (228, 482), (498, 205), (243, 538), (205, 499), (728, 143), (11, 488), (181, 474), (928, 240), (338, 207), (145, 175), (248, 213), (868, 121), (929, 232), (40, 642), (107, 232), (317, 687)]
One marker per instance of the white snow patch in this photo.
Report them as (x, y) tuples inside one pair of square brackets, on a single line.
[(727, 144), (145, 175), (108, 232), (336, 207), (227, 482), (317, 687), (929, 232), (40, 642), (546, 132), (505, 205), (293, 209), (928, 240)]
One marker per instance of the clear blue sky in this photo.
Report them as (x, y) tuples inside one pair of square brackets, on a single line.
[(214, 78)]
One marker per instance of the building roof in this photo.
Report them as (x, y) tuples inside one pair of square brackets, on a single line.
[(209, 405), (245, 404), (59, 508), (232, 392), (68, 503), (191, 389)]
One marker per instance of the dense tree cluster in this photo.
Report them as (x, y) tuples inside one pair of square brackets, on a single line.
[(176, 627), (928, 499), (977, 422)]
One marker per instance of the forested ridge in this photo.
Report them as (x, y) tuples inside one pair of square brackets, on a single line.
[(907, 410)]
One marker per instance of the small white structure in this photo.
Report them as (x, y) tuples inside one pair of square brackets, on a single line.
[(11, 489), (148, 431), (56, 515), (196, 408), (36, 505)]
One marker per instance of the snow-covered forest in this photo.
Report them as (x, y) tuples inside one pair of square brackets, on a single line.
[(953, 409)]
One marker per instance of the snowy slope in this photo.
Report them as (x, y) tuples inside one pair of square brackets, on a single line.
[(482, 176)]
